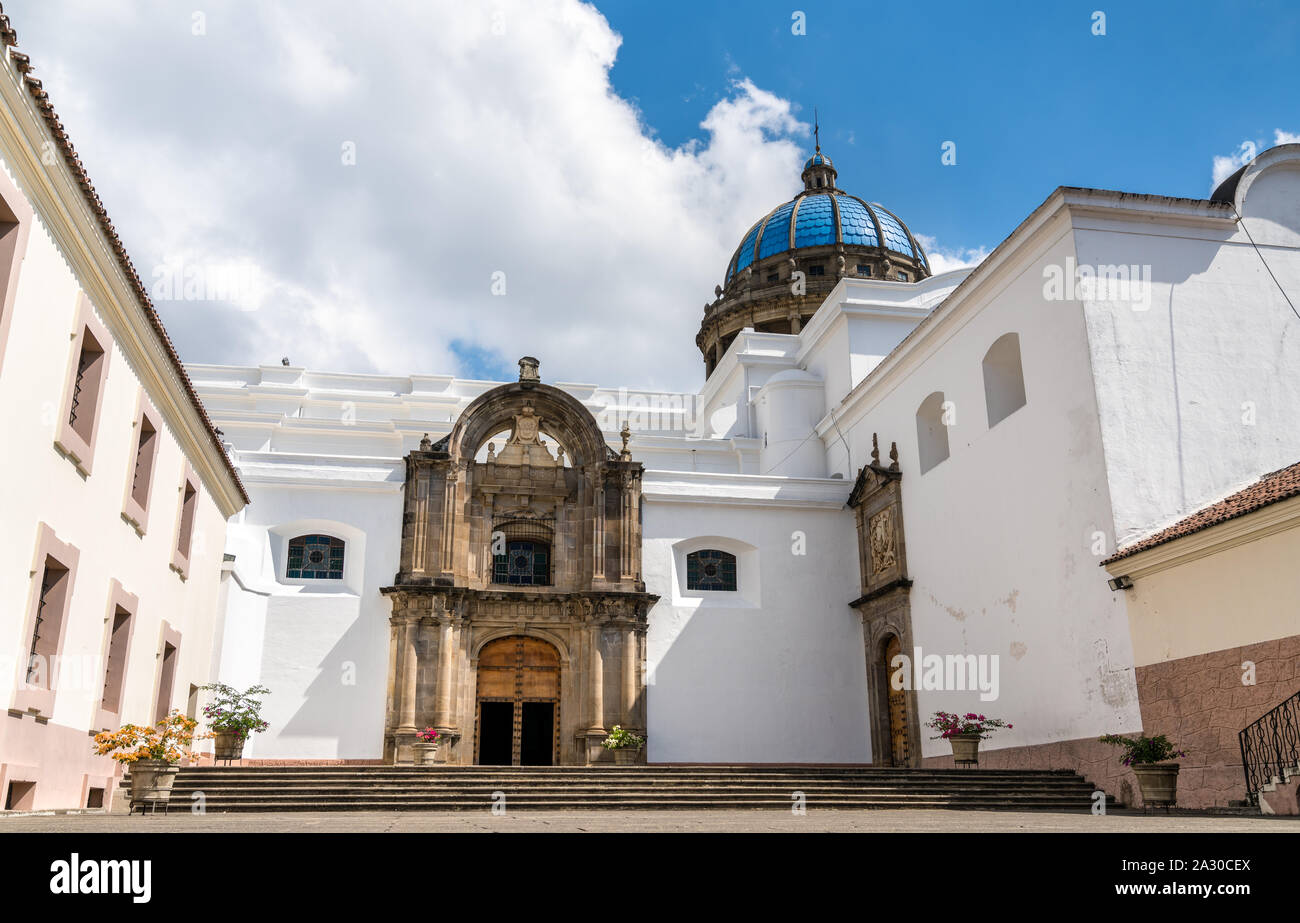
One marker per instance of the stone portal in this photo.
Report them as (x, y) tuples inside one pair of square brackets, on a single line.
[(519, 611)]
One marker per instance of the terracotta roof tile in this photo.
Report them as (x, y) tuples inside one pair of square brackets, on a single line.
[(1271, 488), (8, 37)]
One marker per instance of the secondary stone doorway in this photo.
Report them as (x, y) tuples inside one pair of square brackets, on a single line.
[(518, 703)]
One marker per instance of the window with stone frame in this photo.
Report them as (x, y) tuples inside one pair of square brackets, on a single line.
[(711, 569), (47, 628), (115, 663), (84, 388), (315, 557), (523, 563)]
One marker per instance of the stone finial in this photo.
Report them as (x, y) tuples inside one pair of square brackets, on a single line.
[(893, 456), (492, 451), (626, 433), (425, 444), (528, 373), (875, 450)]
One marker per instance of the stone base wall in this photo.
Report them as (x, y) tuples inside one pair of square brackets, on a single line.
[(1096, 762), (58, 760), (1200, 703)]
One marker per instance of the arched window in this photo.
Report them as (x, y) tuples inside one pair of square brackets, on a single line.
[(524, 563), (711, 569), (315, 557), (1004, 379), (931, 432)]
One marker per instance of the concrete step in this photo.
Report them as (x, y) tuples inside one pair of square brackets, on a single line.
[(389, 788)]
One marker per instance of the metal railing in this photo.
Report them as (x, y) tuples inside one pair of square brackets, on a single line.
[(1271, 746)]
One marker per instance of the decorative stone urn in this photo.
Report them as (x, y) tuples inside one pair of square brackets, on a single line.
[(151, 781), (627, 756), (229, 745), (965, 749), (1158, 783), (422, 753)]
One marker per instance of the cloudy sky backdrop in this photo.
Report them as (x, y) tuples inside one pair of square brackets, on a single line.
[(428, 186)]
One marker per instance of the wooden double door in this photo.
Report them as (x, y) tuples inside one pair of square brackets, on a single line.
[(899, 754), (517, 721)]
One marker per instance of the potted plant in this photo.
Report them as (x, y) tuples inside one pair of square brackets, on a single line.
[(425, 746), (626, 745), (964, 732), (1157, 780), (151, 753), (233, 715)]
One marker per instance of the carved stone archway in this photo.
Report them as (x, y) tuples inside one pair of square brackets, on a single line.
[(885, 608), (570, 512)]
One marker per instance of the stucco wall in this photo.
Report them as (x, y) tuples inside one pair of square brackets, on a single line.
[(1000, 536), (1239, 595), (321, 646), (38, 485), (774, 673)]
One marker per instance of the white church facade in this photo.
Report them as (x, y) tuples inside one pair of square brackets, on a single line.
[(1120, 362)]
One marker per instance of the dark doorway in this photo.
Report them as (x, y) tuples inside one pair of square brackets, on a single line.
[(536, 741), (496, 728)]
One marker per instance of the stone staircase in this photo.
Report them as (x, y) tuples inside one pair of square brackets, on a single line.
[(475, 788)]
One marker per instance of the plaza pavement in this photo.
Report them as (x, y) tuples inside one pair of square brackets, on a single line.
[(711, 821)]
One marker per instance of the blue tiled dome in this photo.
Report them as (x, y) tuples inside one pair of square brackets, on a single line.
[(816, 219)]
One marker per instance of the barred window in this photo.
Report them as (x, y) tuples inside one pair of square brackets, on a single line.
[(524, 563), (711, 569), (315, 557)]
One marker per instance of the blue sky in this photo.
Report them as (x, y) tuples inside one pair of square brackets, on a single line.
[(1032, 99), (549, 178)]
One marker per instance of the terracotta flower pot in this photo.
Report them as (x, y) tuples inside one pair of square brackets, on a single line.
[(1158, 783), (965, 748), (423, 753), (626, 756), (229, 745), (151, 781)]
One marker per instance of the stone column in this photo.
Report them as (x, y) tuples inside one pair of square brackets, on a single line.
[(410, 673), (630, 684), (598, 528), (596, 684), (443, 717)]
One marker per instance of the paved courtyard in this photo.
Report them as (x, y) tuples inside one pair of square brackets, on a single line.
[(815, 821)]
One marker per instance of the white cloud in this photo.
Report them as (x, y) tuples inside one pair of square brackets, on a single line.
[(487, 140), (944, 259), (1227, 164)]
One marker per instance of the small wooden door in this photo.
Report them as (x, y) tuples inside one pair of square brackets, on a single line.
[(900, 754), (518, 720)]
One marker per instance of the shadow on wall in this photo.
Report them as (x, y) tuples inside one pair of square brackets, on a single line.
[(342, 681), (757, 686)]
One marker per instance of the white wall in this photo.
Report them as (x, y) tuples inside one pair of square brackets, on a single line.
[(1198, 392), (775, 673), (320, 646), (999, 536), (38, 485)]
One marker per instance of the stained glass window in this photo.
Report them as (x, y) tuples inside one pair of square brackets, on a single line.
[(523, 564), (710, 570), (315, 557)]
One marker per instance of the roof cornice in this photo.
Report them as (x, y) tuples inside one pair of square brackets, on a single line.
[(1260, 523)]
